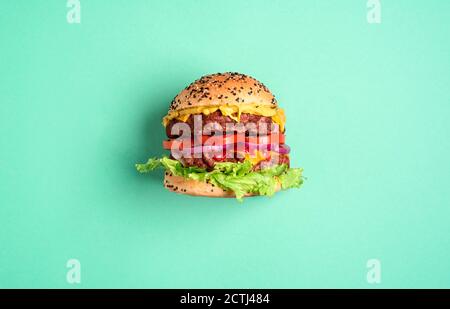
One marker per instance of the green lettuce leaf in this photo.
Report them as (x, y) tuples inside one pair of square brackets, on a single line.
[(237, 177), (236, 169), (292, 178), (151, 164)]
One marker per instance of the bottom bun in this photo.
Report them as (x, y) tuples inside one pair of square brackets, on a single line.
[(179, 184)]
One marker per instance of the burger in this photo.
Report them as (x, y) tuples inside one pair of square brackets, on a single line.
[(226, 138)]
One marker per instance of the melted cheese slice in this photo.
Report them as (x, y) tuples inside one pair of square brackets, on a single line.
[(232, 111), (256, 157)]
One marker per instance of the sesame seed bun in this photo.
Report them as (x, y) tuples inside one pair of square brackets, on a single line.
[(182, 185), (223, 88)]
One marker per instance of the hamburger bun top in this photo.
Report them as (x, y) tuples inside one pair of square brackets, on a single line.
[(223, 89)]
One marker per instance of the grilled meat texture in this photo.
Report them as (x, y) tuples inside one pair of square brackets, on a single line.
[(207, 161), (217, 121)]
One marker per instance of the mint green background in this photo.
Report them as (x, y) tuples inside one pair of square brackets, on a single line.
[(368, 118)]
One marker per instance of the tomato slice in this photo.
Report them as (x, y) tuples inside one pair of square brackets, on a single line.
[(167, 144), (229, 139)]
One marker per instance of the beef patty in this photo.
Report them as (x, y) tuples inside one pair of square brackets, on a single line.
[(215, 119), (207, 162)]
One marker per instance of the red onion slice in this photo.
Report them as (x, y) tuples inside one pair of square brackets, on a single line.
[(247, 147)]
